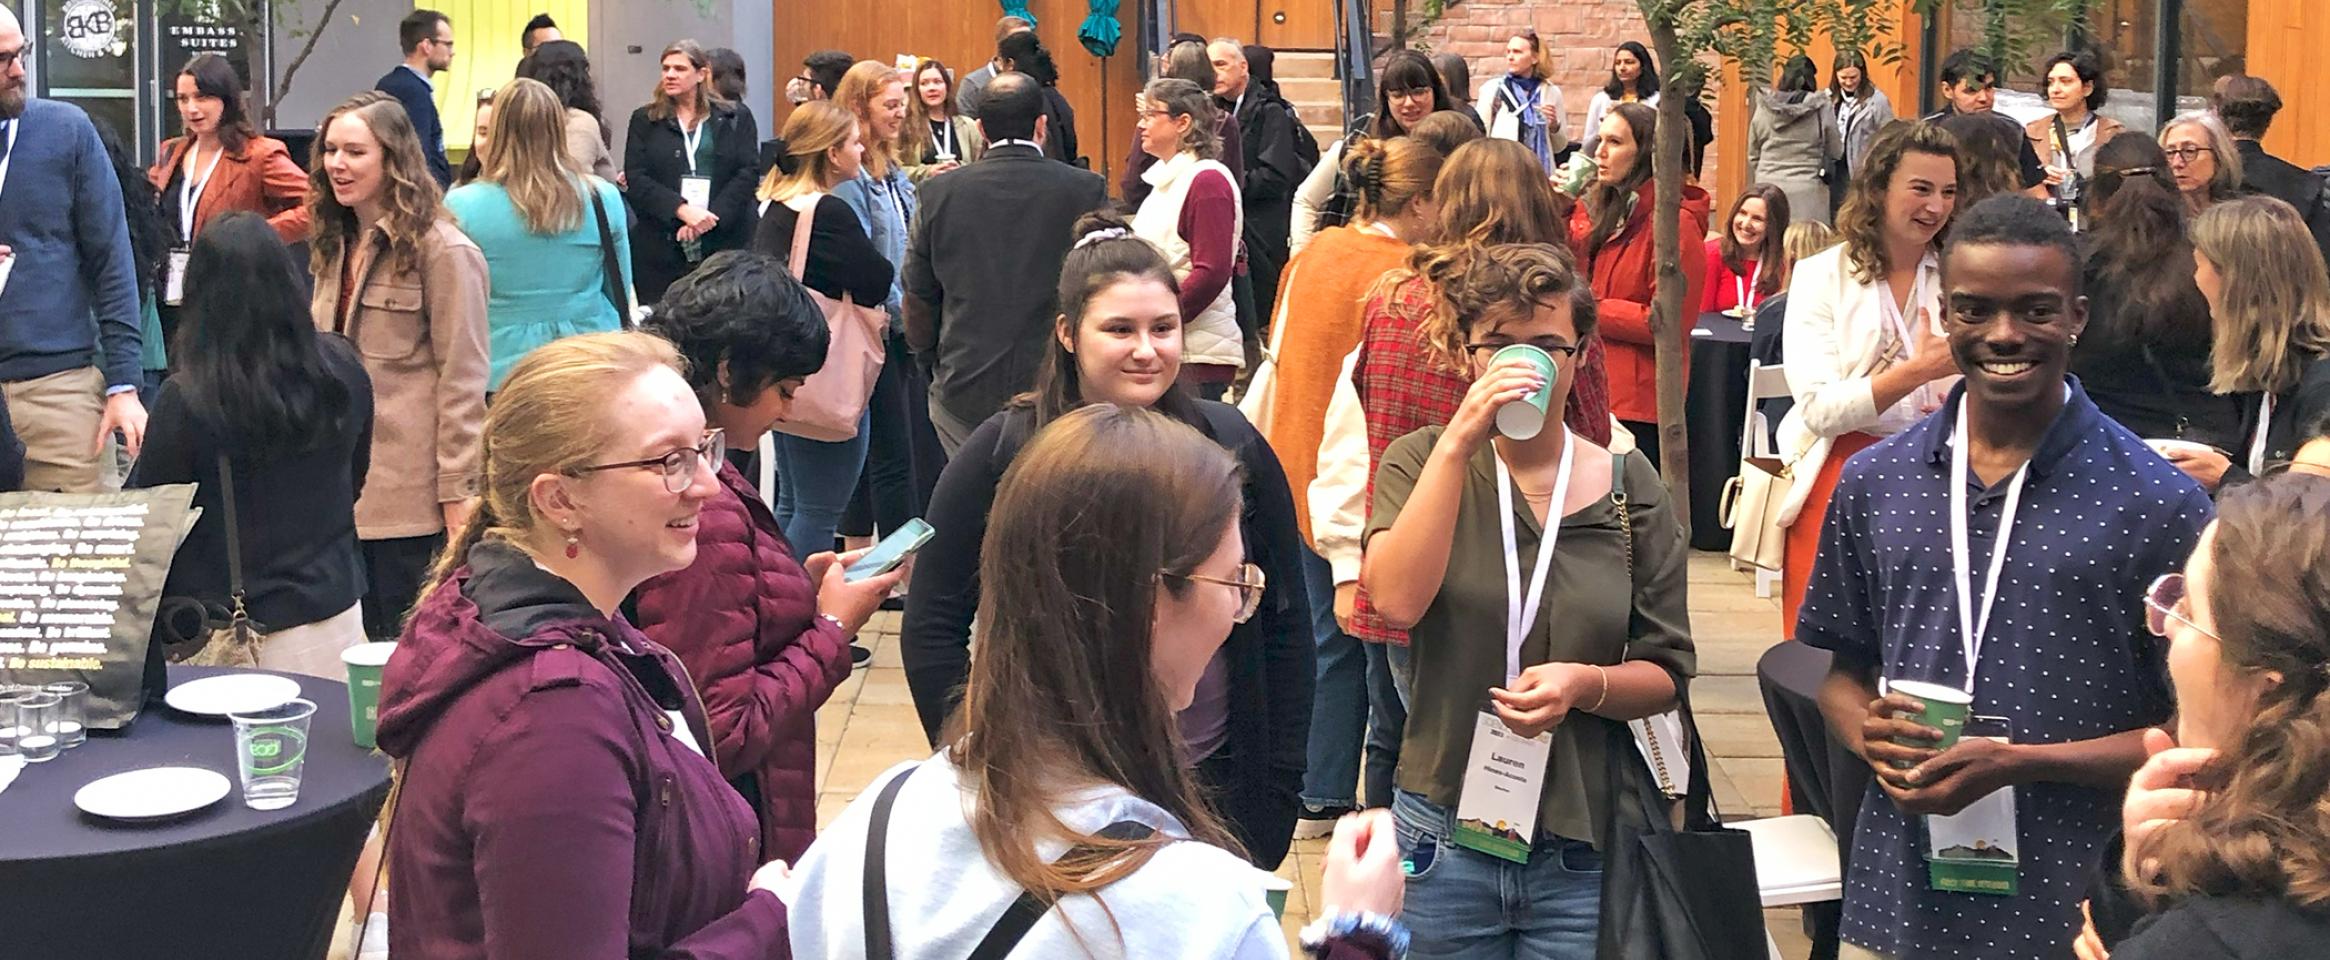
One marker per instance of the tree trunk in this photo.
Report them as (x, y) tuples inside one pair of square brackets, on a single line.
[(282, 87), (1668, 321)]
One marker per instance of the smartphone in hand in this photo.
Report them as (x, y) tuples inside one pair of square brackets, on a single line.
[(892, 551)]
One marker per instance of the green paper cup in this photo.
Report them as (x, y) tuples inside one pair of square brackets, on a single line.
[(1524, 418), (365, 661), (1274, 889), (1945, 710)]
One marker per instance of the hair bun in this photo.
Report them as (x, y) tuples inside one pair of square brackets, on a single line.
[(1100, 225)]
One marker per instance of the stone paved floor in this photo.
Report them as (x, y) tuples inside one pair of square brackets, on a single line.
[(869, 725)]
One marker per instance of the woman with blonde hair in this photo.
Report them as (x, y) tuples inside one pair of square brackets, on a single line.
[(936, 139), (2204, 159), (1864, 355), (820, 151), (688, 162), (548, 230), (2269, 301), (1524, 105), (555, 798), (1193, 214), (395, 274)]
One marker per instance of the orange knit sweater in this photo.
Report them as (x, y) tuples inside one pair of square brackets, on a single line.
[(1320, 305)]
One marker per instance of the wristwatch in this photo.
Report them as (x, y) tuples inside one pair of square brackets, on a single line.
[(1364, 930)]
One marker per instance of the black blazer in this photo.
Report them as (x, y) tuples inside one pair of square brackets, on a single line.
[(421, 105), (2291, 184), (653, 164)]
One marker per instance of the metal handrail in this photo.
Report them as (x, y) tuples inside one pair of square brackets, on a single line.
[(1354, 58)]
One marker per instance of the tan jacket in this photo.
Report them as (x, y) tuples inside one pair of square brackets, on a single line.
[(2041, 133), (587, 147), (422, 333)]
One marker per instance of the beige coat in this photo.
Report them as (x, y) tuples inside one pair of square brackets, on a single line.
[(421, 330), (587, 146)]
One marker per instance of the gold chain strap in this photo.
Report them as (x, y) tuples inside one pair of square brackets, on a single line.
[(1658, 758)]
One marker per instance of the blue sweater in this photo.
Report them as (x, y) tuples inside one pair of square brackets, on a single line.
[(541, 288), (420, 100), (72, 296)]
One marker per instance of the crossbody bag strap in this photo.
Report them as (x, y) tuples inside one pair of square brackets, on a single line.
[(798, 261), (1023, 913), (226, 489), (879, 944), (609, 263)]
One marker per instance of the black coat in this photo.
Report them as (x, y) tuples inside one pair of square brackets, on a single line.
[(2225, 928), (654, 162), (2291, 184), (1274, 169)]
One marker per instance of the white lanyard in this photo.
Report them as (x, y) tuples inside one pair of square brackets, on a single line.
[(190, 189), (945, 129), (2257, 443), (1971, 626), (693, 137), (13, 126), (1014, 142), (1747, 285), (1520, 608), (1893, 311)]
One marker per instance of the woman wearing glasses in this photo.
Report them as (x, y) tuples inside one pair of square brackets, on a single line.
[(764, 635), (2201, 154), (556, 799), (1600, 634), (1119, 341)]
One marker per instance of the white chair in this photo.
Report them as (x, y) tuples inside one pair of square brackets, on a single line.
[(1755, 440), (1796, 863)]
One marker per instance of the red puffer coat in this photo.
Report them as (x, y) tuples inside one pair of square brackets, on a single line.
[(743, 618), (1623, 273)]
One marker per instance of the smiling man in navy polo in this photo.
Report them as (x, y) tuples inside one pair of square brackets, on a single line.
[(2000, 547)]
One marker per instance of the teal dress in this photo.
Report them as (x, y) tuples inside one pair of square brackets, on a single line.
[(542, 288)]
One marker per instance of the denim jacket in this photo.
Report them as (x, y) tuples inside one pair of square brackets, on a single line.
[(886, 223)]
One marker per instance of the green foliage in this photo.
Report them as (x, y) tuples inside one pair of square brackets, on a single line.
[(2013, 31)]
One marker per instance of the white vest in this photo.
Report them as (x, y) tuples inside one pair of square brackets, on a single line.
[(1212, 336)]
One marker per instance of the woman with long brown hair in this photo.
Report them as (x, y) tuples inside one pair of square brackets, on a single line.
[(1744, 266), (936, 138), (394, 273), (688, 163), (1119, 341), (1865, 358), (1611, 233), (219, 166), (541, 220), (1115, 568)]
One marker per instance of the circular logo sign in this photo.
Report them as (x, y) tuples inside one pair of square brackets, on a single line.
[(91, 29)]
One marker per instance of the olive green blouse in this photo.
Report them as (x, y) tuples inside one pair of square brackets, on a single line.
[(1595, 610)]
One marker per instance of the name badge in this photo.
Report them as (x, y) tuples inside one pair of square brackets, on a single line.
[(697, 191), (1504, 778), (174, 276), (1977, 850), (7, 264)]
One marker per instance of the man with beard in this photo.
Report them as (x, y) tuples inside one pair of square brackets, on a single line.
[(2000, 548), (70, 339)]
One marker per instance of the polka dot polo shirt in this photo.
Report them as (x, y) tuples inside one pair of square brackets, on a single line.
[(2067, 657)]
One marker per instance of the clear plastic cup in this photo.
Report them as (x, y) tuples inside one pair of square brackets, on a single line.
[(270, 749), (11, 717), (72, 721), (35, 712)]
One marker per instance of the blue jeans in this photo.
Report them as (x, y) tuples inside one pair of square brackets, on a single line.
[(1339, 703), (1466, 905), (1387, 719), (814, 482)]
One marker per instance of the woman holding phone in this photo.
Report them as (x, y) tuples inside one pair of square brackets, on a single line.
[(1118, 341), (764, 635)]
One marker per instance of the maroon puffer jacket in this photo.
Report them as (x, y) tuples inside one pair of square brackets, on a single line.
[(743, 618)]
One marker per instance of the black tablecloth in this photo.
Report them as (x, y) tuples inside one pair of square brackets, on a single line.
[(226, 881), (1824, 779), (1714, 406)]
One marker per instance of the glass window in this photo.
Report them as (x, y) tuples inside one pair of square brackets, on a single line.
[(89, 59)]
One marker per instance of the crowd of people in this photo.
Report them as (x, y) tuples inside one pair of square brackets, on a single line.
[(508, 413)]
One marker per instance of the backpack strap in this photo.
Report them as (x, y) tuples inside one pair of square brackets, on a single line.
[(879, 945), (1023, 913)]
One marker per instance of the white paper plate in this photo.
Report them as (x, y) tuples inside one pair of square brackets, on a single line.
[(232, 693), (152, 793)]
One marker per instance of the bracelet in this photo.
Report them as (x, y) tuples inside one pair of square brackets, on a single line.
[(1604, 673), (1359, 929), (836, 621)]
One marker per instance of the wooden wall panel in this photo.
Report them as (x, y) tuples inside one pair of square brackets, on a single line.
[(1732, 110), (961, 34), (2285, 47)]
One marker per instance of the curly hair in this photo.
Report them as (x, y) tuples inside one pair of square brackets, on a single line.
[(562, 66), (742, 319), (1861, 221), (1474, 285), (2262, 829), (411, 202), (1490, 192)]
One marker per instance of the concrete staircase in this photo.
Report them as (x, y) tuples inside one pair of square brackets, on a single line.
[(1308, 81)]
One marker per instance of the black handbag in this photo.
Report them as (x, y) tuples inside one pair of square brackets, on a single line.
[(1676, 884)]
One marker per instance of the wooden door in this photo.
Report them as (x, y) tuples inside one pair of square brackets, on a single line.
[(1216, 18), (1297, 24)]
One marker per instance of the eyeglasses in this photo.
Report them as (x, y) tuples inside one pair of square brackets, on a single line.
[(1249, 583), (2187, 153), (10, 58), (2162, 603), (1559, 348), (678, 467)]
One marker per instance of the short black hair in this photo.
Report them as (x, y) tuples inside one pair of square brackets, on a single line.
[(744, 310), (2247, 104), (417, 26), (541, 21), (2089, 69), (826, 68), (728, 75), (2014, 220), (1009, 106), (1968, 64)]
